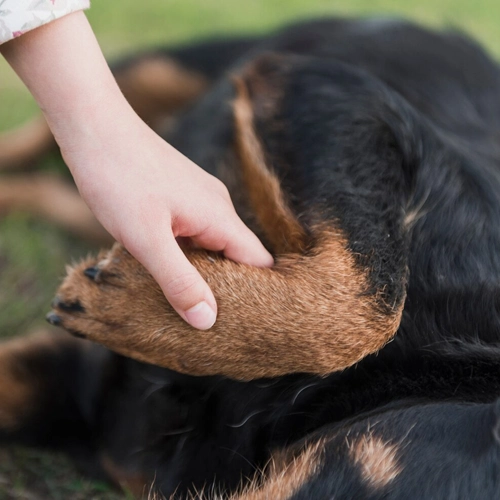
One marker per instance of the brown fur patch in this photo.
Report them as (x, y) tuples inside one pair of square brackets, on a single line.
[(279, 224), (159, 86), (25, 144), (286, 476), (52, 199), (377, 460)]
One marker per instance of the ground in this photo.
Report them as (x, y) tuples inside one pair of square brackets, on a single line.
[(33, 254)]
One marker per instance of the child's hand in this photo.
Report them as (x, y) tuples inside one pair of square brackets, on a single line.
[(144, 192)]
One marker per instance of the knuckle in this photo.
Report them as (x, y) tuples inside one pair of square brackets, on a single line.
[(222, 189), (183, 286)]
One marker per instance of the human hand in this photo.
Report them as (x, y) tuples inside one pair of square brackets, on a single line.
[(143, 191), (146, 194)]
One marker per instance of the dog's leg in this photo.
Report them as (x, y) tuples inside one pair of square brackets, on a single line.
[(309, 313), (52, 199)]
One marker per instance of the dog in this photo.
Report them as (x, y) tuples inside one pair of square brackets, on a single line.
[(366, 363)]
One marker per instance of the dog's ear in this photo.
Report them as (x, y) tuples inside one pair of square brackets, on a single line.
[(258, 92), (265, 78)]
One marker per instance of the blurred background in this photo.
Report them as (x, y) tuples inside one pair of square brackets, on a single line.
[(33, 253)]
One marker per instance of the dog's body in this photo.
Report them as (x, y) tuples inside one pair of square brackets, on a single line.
[(385, 224)]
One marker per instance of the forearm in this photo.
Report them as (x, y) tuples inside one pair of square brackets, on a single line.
[(63, 67)]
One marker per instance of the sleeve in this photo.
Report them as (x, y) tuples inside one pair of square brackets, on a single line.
[(19, 16)]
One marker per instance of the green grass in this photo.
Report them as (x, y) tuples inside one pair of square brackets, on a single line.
[(30, 475), (33, 254)]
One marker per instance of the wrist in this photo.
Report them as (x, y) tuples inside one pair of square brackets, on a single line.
[(86, 124)]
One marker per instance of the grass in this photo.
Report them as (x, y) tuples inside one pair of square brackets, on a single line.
[(30, 475), (33, 254)]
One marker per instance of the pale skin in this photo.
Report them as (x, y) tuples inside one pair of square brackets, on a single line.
[(141, 189)]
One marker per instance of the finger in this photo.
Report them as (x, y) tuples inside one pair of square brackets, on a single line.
[(245, 247), (236, 241), (182, 285)]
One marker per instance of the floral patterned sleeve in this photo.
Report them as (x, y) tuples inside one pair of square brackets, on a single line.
[(19, 16)]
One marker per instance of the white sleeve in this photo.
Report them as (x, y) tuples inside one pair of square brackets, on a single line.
[(19, 16)]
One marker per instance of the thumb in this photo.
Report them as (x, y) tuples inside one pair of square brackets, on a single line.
[(182, 285)]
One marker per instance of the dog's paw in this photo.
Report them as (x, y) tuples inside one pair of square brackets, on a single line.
[(107, 299), (114, 301)]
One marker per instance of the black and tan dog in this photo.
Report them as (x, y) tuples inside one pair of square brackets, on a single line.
[(366, 155)]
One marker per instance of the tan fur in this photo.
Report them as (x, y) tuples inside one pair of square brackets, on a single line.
[(232, 178), (52, 199), (25, 144), (286, 477), (377, 460), (280, 225), (157, 86)]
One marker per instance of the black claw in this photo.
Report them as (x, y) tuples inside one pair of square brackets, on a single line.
[(53, 319), (92, 273), (57, 303)]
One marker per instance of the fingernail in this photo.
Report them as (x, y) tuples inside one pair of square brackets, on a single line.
[(201, 316)]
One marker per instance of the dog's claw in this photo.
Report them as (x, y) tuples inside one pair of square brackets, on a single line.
[(53, 319), (92, 273), (57, 303)]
